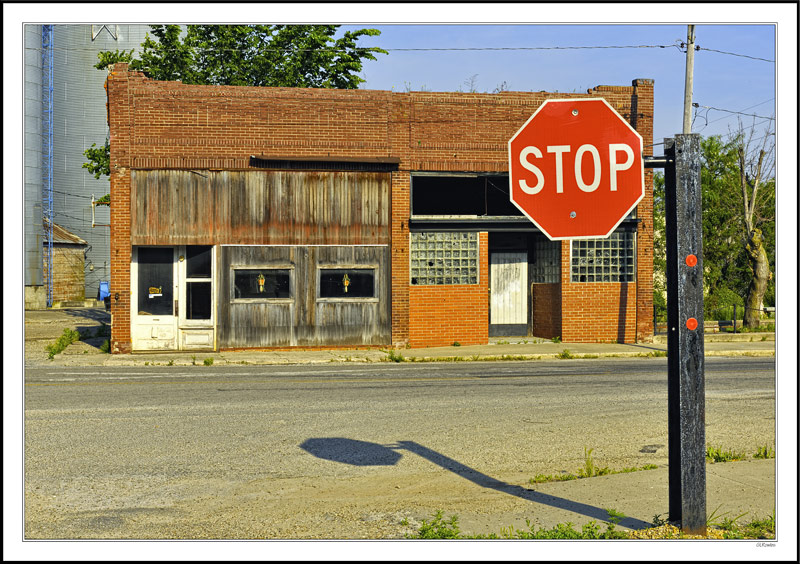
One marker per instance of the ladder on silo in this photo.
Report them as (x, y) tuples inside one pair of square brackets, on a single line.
[(47, 152)]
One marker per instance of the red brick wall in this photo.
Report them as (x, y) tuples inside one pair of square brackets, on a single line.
[(163, 125), (400, 259), (643, 122), (547, 310), (459, 313), (119, 117), (602, 312)]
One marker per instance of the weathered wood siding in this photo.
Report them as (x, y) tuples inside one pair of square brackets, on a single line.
[(264, 207), (305, 320)]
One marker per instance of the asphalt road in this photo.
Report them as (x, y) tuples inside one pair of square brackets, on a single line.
[(104, 445)]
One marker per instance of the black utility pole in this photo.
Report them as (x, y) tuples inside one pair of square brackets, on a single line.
[(686, 382)]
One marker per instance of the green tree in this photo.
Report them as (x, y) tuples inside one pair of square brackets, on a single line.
[(738, 199), (723, 275), (99, 160), (304, 56), (755, 167)]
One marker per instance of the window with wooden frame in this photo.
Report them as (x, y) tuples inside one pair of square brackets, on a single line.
[(347, 283), (261, 283)]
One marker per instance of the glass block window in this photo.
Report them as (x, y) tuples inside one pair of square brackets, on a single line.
[(261, 283), (444, 258), (605, 260), (346, 283), (546, 262)]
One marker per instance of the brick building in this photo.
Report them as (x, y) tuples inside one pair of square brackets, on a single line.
[(247, 217)]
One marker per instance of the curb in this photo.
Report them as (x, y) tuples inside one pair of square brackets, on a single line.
[(170, 359)]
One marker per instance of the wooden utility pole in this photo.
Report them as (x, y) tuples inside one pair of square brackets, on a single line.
[(687, 92), (685, 365)]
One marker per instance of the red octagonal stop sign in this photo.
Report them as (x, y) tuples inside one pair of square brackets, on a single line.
[(576, 168)]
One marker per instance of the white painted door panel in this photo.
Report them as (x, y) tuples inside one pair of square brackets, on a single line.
[(509, 280)]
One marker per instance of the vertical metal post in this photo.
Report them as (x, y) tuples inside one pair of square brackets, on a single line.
[(686, 382), (734, 319)]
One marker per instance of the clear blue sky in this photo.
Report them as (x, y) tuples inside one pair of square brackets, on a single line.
[(726, 82)]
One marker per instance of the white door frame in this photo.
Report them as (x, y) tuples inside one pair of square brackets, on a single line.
[(175, 331)]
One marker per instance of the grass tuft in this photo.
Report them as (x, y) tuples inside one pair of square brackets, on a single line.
[(764, 452), (718, 454), (68, 337), (565, 354), (395, 356), (439, 528), (589, 470)]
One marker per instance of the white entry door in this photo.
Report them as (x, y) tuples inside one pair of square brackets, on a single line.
[(196, 297), (154, 299), (172, 298), (508, 308)]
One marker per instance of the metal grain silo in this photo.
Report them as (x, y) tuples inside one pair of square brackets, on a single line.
[(65, 113)]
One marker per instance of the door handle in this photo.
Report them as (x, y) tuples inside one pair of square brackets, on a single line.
[(176, 308)]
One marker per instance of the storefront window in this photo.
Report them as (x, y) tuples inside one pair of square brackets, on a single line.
[(346, 283), (261, 283)]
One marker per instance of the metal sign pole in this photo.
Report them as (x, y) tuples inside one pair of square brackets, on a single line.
[(686, 382)]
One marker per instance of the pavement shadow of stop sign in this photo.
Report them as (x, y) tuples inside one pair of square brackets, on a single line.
[(351, 451), (576, 168)]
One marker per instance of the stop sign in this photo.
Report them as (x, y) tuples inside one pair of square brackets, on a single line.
[(576, 168)]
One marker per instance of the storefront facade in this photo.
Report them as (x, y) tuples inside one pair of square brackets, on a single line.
[(268, 218)]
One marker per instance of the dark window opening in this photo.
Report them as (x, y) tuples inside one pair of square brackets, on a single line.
[(155, 281), (462, 195), (198, 261), (198, 300), (261, 283), (347, 283)]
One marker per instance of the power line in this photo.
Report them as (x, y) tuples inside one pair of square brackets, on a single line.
[(529, 48), (678, 45), (71, 194), (743, 109), (735, 54), (732, 112)]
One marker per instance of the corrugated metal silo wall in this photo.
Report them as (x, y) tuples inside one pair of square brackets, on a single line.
[(80, 119), (33, 155)]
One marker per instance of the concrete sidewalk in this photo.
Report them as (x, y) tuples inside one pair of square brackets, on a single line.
[(44, 327), (744, 488)]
